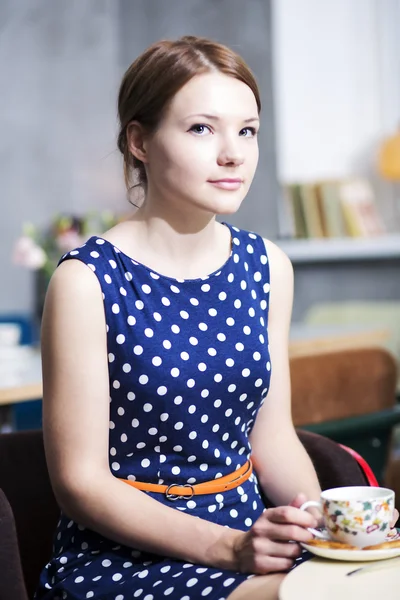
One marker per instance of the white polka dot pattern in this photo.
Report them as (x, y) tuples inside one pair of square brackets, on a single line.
[(189, 368)]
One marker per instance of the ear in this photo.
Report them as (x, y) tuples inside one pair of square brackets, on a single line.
[(136, 141)]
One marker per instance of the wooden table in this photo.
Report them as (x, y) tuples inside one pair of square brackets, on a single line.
[(21, 375), (321, 579)]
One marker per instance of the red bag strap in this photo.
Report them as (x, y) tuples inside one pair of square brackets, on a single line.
[(372, 480)]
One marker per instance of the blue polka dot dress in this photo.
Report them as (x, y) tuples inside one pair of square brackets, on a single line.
[(189, 368)]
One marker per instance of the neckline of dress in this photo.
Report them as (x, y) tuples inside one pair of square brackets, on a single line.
[(158, 275)]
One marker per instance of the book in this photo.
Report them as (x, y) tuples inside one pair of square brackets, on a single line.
[(360, 212), (311, 211), (333, 219), (294, 196), (334, 208), (321, 211)]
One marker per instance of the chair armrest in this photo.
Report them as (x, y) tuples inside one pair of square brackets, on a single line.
[(334, 466)]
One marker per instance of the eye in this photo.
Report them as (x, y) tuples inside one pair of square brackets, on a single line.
[(247, 130), (200, 129)]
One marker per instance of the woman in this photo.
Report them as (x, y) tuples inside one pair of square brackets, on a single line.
[(158, 341)]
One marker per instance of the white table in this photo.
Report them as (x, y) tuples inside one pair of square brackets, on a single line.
[(321, 579), (20, 374)]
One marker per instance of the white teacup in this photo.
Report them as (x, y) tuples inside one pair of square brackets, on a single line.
[(356, 515)]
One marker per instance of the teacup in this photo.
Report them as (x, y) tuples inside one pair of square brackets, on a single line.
[(356, 515)]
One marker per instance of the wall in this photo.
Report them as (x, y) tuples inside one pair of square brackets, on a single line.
[(59, 69), (61, 63), (337, 88), (337, 93), (336, 81)]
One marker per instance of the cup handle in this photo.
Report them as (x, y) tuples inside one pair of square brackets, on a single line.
[(315, 532)]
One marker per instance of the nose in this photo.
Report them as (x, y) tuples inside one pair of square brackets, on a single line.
[(231, 153)]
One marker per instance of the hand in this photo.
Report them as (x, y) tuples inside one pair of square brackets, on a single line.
[(395, 518), (265, 548), (299, 500)]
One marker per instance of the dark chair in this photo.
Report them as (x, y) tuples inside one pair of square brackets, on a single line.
[(29, 512), (33, 515)]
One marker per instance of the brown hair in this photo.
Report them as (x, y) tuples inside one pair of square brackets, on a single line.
[(158, 74)]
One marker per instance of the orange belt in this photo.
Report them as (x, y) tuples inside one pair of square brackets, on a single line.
[(179, 492)]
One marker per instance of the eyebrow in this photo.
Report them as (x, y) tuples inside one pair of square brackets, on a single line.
[(215, 118)]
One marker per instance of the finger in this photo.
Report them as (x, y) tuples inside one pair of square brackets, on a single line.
[(290, 514), (271, 564), (288, 533), (284, 549), (298, 500)]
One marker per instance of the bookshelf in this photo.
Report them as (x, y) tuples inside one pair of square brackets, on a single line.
[(341, 249)]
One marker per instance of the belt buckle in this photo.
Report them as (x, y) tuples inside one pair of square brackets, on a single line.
[(174, 497)]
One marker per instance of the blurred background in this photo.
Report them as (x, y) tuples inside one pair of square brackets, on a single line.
[(329, 74), (327, 188)]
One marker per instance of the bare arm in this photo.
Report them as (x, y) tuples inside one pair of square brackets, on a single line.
[(283, 466), (76, 429)]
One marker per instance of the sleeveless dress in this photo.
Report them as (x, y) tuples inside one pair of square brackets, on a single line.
[(189, 368)]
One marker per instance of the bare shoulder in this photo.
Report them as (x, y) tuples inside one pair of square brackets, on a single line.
[(73, 278), (280, 265), (73, 298)]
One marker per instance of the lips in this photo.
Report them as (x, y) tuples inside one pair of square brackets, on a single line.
[(227, 183), (226, 180)]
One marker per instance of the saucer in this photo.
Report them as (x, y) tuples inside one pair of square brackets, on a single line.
[(358, 555)]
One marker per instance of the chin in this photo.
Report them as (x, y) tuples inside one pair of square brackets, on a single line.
[(223, 204), (227, 208)]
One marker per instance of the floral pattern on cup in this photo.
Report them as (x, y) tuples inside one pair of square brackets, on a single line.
[(352, 517)]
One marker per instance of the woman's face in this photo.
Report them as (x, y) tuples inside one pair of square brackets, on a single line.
[(205, 151)]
